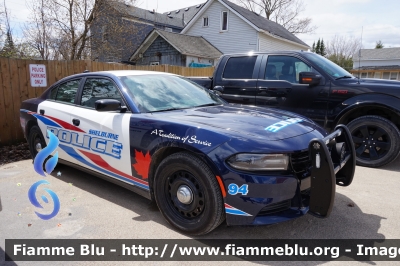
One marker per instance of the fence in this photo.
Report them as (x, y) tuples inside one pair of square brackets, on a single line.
[(15, 85)]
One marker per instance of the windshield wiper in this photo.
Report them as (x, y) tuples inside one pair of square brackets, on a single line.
[(344, 77), (208, 104), (169, 109)]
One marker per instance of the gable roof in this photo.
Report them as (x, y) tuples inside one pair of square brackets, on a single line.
[(186, 13), (147, 15), (256, 21), (378, 54), (185, 44)]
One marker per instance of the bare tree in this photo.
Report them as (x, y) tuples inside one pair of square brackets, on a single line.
[(341, 50), (284, 12), (38, 30), (62, 28)]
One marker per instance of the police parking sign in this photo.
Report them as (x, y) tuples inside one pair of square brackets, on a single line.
[(38, 75)]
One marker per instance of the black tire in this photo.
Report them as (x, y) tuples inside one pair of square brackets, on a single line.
[(205, 212), (376, 140), (35, 137)]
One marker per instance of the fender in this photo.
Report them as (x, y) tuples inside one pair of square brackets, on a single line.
[(391, 103)]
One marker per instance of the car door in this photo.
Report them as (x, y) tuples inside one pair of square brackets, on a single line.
[(103, 145), (278, 86), (239, 79), (54, 112)]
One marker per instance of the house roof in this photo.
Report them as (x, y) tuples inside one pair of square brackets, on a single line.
[(185, 44), (187, 13), (379, 54), (147, 15), (259, 22)]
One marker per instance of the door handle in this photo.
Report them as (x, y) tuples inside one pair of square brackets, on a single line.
[(41, 111), (76, 122), (262, 88)]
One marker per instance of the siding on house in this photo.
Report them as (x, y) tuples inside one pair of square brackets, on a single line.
[(268, 43), (162, 52), (239, 38)]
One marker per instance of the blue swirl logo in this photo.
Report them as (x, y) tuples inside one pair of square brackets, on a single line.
[(49, 167), (35, 202), (46, 152)]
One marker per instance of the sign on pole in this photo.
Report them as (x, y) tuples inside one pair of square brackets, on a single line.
[(38, 75)]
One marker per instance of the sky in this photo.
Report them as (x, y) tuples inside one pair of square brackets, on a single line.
[(372, 19)]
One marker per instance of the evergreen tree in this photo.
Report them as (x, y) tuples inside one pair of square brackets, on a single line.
[(322, 50), (379, 45), (318, 47), (9, 49), (313, 47)]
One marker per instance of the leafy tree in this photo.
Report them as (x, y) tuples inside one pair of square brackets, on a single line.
[(379, 45), (284, 12)]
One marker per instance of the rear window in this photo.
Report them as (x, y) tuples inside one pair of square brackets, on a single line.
[(240, 67)]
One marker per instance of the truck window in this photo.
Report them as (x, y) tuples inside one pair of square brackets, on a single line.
[(240, 67), (285, 68)]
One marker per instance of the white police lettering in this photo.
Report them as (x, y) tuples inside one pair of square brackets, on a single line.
[(282, 124), (98, 145), (190, 139)]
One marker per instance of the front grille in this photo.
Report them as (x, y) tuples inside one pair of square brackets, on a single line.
[(301, 164), (275, 208)]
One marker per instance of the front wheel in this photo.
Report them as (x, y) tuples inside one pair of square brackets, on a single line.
[(188, 195), (376, 140), (36, 141)]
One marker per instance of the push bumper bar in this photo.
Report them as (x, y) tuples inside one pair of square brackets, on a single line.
[(333, 163)]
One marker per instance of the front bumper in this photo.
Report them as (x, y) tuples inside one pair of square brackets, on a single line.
[(282, 197)]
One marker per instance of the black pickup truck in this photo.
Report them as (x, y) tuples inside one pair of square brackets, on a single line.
[(313, 86)]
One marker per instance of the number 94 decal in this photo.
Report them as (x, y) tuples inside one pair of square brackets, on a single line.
[(234, 189)]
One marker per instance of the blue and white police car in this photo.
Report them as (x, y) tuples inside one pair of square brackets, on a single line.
[(201, 159)]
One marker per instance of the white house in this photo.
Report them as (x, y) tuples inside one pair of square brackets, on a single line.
[(378, 63), (234, 29)]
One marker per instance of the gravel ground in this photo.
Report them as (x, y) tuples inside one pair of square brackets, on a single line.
[(14, 153)]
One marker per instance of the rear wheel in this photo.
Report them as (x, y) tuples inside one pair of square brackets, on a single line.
[(188, 195), (376, 140), (36, 141)]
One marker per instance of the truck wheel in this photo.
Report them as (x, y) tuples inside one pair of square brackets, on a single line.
[(36, 141), (188, 195), (376, 140)]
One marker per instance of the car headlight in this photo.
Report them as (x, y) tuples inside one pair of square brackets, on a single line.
[(259, 162)]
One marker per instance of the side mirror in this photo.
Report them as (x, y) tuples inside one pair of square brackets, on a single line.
[(219, 89), (106, 105), (309, 78)]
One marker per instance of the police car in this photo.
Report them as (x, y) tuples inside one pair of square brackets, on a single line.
[(201, 159)]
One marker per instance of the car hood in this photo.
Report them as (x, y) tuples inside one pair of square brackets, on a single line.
[(264, 123)]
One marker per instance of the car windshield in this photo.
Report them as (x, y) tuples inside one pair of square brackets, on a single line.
[(328, 66), (155, 93)]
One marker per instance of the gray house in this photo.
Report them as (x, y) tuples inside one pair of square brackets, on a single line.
[(162, 47), (378, 63), (233, 29)]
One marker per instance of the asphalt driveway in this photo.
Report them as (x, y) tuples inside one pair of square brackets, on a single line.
[(95, 209)]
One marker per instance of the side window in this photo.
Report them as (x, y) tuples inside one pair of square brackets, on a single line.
[(285, 68), (240, 67), (97, 89), (66, 92)]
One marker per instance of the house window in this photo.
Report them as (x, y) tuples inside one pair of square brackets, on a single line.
[(393, 75), (205, 22), (104, 33), (154, 63), (363, 75), (377, 75), (224, 21), (386, 75)]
